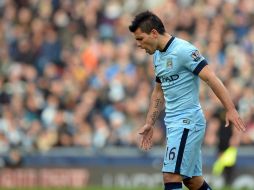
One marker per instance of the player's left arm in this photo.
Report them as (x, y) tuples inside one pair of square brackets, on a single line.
[(207, 75)]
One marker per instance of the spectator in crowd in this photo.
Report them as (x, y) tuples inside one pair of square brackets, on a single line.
[(70, 75)]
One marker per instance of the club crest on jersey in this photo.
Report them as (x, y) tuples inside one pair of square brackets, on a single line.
[(196, 55), (169, 64)]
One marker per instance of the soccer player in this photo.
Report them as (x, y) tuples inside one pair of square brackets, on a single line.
[(178, 66)]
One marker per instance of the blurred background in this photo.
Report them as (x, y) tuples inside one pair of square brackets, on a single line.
[(74, 89)]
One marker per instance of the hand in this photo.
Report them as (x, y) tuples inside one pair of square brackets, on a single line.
[(233, 117), (146, 133)]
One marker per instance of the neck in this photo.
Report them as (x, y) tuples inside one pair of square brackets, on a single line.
[(163, 41)]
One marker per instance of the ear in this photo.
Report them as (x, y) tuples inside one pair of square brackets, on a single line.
[(154, 33)]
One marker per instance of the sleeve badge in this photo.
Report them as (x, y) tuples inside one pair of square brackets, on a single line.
[(196, 56)]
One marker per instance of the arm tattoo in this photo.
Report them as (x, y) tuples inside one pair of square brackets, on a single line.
[(157, 102), (154, 116), (156, 111)]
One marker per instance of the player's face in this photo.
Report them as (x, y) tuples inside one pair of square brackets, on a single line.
[(145, 41)]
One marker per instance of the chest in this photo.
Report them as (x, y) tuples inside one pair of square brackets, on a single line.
[(167, 65)]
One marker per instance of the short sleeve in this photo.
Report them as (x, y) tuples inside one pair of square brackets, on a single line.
[(158, 80), (192, 59)]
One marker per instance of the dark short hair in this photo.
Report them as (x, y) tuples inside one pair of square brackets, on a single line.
[(147, 21)]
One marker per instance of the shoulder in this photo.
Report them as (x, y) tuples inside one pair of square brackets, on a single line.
[(180, 46), (185, 48), (185, 45), (155, 55), (155, 58)]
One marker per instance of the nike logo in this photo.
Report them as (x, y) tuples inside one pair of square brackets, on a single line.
[(164, 163)]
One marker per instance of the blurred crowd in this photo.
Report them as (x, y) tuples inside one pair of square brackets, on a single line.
[(72, 76)]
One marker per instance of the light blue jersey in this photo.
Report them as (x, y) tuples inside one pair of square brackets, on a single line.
[(177, 68)]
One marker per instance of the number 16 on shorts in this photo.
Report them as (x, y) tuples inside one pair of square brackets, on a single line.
[(170, 155), (176, 140)]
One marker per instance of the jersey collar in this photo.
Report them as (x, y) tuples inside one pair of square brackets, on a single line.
[(168, 44)]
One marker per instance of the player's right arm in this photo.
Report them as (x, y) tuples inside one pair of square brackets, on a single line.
[(155, 107)]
